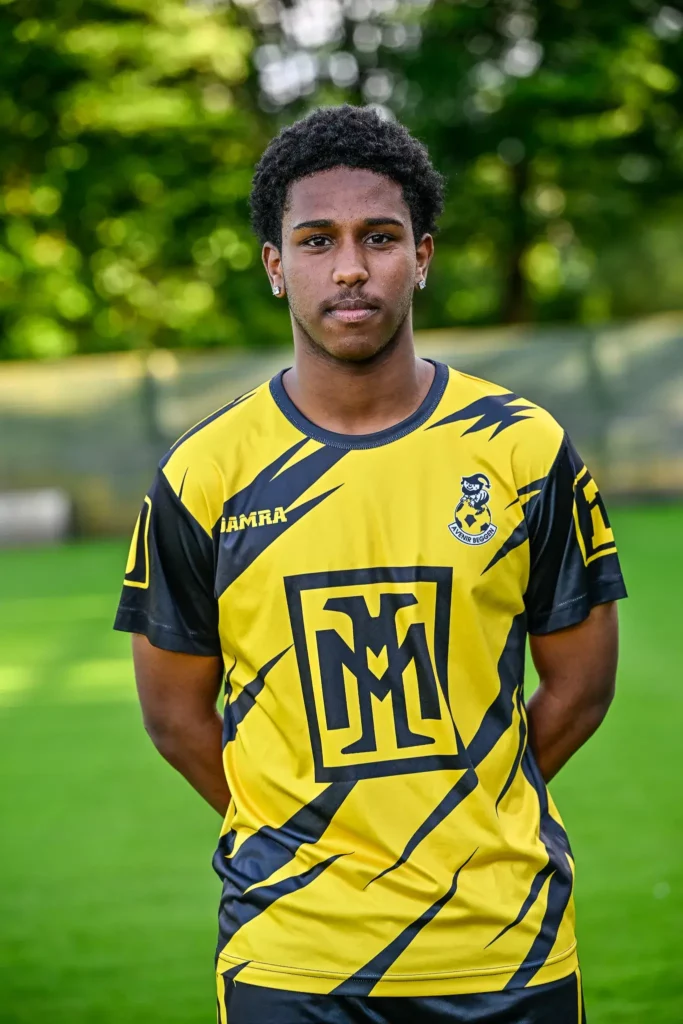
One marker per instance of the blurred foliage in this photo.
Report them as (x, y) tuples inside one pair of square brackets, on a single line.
[(130, 131), (563, 143), (128, 144), (558, 124)]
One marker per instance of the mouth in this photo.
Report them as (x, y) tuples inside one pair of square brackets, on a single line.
[(351, 311)]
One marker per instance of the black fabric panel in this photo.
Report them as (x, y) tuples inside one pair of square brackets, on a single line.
[(177, 611), (562, 587)]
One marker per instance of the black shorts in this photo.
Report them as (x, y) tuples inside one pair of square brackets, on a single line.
[(560, 1002)]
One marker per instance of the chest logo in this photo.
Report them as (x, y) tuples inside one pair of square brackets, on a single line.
[(472, 518), (372, 651), (260, 517)]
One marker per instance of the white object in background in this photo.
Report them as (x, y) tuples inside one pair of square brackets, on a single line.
[(34, 517)]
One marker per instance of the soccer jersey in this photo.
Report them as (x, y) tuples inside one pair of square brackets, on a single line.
[(389, 831)]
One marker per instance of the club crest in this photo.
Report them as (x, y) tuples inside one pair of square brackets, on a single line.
[(472, 518)]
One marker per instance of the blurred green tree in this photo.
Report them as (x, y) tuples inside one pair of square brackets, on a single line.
[(559, 126), (128, 144), (130, 131)]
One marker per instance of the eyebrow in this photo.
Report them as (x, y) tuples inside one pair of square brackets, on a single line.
[(370, 222), (313, 224), (373, 222)]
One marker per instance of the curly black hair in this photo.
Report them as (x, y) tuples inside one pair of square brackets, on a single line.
[(344, 136)]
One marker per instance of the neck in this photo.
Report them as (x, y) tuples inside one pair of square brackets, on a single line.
[(358, 397)]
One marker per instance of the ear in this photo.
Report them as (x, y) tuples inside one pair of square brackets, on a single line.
[(272, 261), (424, 253)]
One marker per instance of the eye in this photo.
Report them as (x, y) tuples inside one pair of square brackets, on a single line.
[(316, 241), (379, 238)]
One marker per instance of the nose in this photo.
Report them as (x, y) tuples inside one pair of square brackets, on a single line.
[(350, 268)]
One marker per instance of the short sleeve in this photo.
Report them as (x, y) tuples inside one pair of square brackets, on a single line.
[(573, 557), (168, 588)]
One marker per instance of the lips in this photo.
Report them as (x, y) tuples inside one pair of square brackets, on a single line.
[(351, 311), (353, 316)]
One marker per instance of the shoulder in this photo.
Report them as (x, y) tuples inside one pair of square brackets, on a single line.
[(203, 459), (512, 427)]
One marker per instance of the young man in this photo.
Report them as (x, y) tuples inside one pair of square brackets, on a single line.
[(362, 545)]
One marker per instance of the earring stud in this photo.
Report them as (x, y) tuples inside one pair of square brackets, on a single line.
[(422, 284), (276, 289)]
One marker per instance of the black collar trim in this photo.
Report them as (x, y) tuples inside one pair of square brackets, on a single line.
[(375, 440)]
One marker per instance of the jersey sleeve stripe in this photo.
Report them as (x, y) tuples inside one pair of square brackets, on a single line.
[(601, 554)]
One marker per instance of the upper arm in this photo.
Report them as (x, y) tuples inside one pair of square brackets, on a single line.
[(579, 663), (174, 688)]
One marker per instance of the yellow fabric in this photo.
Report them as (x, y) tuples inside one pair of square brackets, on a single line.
[(413, 886)]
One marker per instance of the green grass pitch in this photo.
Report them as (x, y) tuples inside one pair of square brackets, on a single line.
[(108, 901)]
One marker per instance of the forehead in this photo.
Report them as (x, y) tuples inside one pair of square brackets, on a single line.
[(344, 194)]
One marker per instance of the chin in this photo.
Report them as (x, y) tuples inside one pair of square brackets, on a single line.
[(355, 352), (354, 349)]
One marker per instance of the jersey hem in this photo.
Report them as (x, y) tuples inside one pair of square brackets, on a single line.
[(258, 972)]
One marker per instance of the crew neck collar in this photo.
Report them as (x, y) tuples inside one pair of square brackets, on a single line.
[(374, 440)]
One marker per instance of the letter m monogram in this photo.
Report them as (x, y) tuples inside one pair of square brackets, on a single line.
[(376, 634), (400, 616)]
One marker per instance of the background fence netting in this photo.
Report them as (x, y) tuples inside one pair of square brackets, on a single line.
[(96, 426)]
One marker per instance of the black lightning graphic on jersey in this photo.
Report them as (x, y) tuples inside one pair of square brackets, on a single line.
[(276, 484), (493, 410), (237, 710), (364, 980), (495, 723), (267, 851), (558, 869)]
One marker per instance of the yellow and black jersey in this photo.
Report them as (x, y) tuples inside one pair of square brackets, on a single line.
[(389, 832)]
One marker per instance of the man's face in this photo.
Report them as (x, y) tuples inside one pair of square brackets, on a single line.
[(349, 261)]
